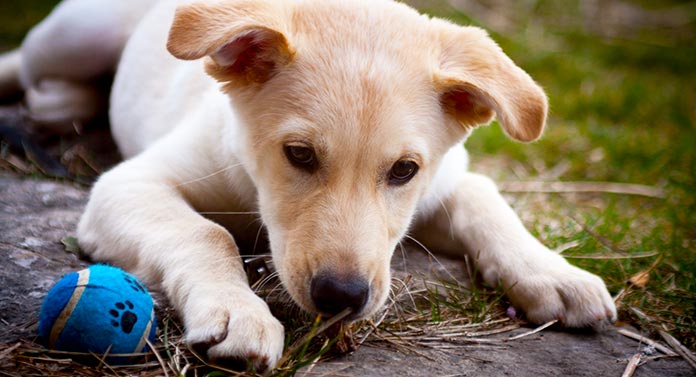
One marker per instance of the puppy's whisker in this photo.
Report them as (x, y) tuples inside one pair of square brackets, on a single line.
[(278, 288), (403, 256), (226, 259), (435, 259), (403, 290), (209, 175), (266, 288), (255, 255), (262, 283), (258, 234), (449, 218), (229, 213)]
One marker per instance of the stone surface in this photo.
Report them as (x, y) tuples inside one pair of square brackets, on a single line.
[(35, 215), (549, 353)]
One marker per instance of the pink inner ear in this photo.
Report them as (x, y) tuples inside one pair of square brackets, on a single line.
[(232, 52), (252, 56), (461, 100), (468, 105)]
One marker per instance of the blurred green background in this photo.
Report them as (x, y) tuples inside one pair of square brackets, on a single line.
[(621, 78), (17, 16)]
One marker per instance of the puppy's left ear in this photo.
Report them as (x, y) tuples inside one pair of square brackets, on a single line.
[(245, 39), (476, 79)]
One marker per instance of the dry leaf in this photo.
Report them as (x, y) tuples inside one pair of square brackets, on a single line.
[(640, 279)]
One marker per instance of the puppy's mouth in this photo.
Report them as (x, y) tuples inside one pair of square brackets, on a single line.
[(338, 297)]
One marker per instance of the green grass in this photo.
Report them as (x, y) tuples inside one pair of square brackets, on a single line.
[(623, 109)]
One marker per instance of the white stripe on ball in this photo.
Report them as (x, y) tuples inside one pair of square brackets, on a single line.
[(59, 324)]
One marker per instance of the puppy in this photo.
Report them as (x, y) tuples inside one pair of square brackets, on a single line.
[(338, 123)]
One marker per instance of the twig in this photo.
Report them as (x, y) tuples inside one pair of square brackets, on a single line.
[(475, 334), (603, 256), (159, 358), (374, 326), (632, 365), (398, 345), (580, 187), (679, 348), (642, 315), (650, 342), (314, 362), (601, 239), (545, 325), (8, 351), (569, 245), (308, 337)]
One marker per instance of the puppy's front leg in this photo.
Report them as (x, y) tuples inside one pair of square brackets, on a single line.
[(542, 283), (138, 218)]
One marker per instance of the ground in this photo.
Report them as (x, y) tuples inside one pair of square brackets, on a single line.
[(36, 216)]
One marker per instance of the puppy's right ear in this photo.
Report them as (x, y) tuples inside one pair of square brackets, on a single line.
[(245, 39)]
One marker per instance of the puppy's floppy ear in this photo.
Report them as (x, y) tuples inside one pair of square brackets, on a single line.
[(245, 39), (476, 79)]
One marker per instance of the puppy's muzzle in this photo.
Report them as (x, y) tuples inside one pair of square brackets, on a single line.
[(333, 293)]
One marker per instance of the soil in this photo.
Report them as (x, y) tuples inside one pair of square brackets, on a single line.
[(35, 215), (552, 353)]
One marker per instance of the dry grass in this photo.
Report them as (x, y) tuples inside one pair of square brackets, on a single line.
[(420, 314)]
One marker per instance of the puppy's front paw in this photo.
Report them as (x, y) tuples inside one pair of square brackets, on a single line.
[(234, 330), (559, 290)]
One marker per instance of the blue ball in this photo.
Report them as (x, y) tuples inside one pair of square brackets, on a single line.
[(101, 309)]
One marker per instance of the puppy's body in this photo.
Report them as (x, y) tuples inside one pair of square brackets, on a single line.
[(340, 125)]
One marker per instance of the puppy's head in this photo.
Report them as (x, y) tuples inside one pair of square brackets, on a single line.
[(347, 109)]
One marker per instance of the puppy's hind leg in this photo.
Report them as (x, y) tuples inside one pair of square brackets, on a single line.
[(64, 56), (62, 105)]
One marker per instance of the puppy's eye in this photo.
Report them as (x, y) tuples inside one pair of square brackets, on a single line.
[(301, 156), (402, 171)]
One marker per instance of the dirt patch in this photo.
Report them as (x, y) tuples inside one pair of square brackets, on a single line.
[(34, 216), (551, 353)]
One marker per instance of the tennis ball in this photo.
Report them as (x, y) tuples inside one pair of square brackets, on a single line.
[(101, 309)]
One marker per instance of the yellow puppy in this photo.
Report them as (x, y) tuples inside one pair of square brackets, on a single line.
[(338, 122)]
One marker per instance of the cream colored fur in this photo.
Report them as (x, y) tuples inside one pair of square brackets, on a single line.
[(364, 84)]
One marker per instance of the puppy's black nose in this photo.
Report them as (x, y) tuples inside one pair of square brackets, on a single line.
[(332, 294)]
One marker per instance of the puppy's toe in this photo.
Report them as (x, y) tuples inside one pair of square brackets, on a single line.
[(238, 335), (566, 293), (253, 338), (209, 330), (586, 300)]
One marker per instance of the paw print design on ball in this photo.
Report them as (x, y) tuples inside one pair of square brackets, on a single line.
[(98, 310), (123, 316), (135, 284)]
